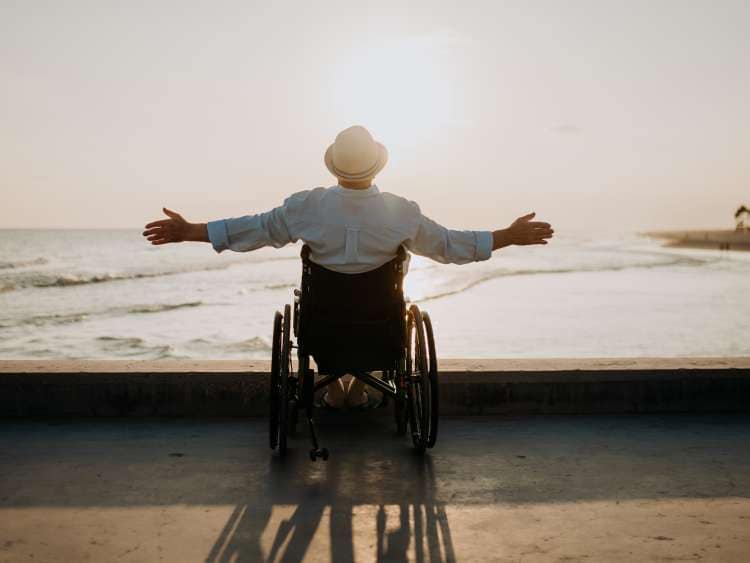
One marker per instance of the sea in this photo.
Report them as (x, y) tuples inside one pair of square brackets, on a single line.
[(107, 294)]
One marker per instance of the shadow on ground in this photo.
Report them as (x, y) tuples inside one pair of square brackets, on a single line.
[(478, 461)]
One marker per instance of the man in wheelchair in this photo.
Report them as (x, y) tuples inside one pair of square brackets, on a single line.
[(349, 313)]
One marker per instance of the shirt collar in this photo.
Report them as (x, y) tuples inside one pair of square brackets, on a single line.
[(366, 192)]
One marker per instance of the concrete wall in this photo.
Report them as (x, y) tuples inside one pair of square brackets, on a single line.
[(240, 388)]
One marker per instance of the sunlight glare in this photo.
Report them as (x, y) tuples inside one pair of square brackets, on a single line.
[(406, 90)]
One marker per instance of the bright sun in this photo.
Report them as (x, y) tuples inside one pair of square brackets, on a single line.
[(405, 90)]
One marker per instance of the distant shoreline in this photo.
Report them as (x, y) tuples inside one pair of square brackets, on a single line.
[(707, 239)]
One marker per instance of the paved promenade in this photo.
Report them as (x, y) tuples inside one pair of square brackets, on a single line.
[(517, 489)]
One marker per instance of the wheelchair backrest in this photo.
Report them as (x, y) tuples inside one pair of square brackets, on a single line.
[(353, 318)]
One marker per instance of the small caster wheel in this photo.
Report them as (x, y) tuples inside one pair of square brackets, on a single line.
[(313, 455), (324, 454)]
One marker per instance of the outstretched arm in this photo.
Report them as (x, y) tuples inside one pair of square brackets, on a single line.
[(523, 231), (175, 229), (450, 246), (240, 234)]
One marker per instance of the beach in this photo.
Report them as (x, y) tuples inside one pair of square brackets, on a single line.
[(708, 239)]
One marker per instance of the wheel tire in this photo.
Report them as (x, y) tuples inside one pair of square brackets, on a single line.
[(274, 391), (418, 384), (286, 349), (433, 375)]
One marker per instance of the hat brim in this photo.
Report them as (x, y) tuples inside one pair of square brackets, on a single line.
[(364, 175)]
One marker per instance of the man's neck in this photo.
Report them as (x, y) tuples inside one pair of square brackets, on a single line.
[(355, 184)]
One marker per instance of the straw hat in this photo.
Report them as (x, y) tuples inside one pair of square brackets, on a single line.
[(355, 155)]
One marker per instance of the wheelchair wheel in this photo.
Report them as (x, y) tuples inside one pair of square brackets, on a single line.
[(280, 366), (418, 386), (273, 399), (433, 375)]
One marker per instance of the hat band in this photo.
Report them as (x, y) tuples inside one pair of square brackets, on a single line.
[(359, 175)]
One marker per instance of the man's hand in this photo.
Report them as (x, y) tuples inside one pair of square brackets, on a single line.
[(523, 231), (174, 229)]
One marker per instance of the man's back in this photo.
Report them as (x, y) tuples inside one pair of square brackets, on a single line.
[(351, 230)]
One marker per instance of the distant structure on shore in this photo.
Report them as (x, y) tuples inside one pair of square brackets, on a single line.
[(742, 217), (738, 239)]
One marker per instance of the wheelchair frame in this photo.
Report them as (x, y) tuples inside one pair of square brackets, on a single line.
[(412, 383)]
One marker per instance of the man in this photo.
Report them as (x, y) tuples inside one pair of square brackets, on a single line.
[(351, 227)]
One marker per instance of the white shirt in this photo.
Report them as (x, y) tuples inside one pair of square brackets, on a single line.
[(350, 231)]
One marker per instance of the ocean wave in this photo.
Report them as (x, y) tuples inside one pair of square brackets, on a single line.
[(280, 285), (68, 318), (254, 344), (502, 273), (162, 307), (40, 278), (45, 280), (53, 319), (121, 342), (138, 347), (23, 263), (134, 346)]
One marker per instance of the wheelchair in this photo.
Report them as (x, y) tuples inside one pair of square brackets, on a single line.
[(353, 324)]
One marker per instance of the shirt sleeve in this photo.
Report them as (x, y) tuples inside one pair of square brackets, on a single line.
[(251, 232), (449, 246)]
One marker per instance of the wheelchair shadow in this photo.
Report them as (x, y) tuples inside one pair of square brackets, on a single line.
[(421, 520), (304, 497)]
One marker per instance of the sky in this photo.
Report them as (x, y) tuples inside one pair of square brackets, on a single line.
[(628, 115)]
